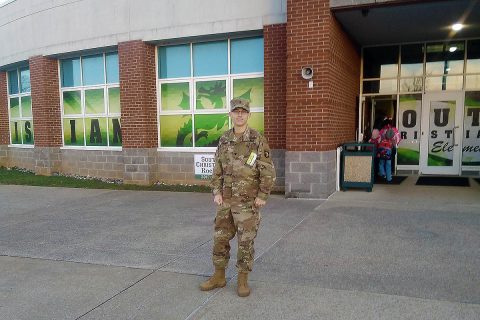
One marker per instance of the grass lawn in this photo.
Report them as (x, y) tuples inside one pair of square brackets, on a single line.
[(22, 177)]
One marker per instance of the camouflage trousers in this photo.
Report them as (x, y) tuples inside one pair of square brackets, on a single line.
[(240, 218)]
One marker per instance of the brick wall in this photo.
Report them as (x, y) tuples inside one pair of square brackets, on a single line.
[(4, 156), (323, 117), (177, 168), (275, 71), (47, 119), (4, 128), (21, 158), (138, 94), (344, 87), (93, 163), (310, 174)]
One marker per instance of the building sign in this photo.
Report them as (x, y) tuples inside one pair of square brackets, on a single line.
[(410, 109), (204, 164), (471, 128)]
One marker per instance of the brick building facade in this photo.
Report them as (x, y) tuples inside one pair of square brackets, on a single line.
[(146, 67)]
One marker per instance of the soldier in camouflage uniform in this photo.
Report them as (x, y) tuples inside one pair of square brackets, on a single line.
[(242, 180)]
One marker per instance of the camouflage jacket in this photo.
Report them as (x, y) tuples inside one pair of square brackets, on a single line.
[(243, 166)]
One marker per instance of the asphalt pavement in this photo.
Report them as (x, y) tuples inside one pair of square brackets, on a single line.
[(399, 252)]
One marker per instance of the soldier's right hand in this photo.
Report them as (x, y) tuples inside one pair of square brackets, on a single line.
[(218, 199)]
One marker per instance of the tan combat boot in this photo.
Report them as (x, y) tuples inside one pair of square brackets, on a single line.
[(216, 281), (243, 290)]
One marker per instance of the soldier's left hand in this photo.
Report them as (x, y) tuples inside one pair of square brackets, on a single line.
[(259, 202)]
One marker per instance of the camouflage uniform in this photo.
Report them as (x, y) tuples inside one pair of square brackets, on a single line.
[(240, 183)]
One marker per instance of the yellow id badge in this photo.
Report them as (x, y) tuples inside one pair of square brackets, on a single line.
[(251, 159)]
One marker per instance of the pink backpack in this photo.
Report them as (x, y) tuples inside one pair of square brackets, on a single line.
[(384, 150)]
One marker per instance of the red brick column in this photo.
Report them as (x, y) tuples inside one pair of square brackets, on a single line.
[(139, 111), (344, 85), (138, 94), (323, 117), (47, 118), (275, 72), (4, 127)]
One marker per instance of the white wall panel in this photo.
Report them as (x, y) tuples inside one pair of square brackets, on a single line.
[(41, 27)]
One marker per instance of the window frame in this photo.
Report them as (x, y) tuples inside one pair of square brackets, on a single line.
[(21, 118), (106, 114), (192, 80), (469, 74)]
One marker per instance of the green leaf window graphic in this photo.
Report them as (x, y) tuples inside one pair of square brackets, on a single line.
[(209, 128), (250, 89), (94, 101), (438, 161), (115, 132), (73, 132), (26, 103), (472, 99), (246, 95), (256, 121), (96, 131), (471, 130), (176, 131), (16, 132), (14, 108), (407, 157), (211, 94), (175, 96), (114, 100), (27, 129), (410, 107), (72, 102)]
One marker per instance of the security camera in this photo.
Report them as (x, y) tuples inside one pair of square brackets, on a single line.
[(307, 73)]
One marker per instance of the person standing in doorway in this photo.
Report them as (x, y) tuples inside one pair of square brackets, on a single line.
[(375, 139), (387, 148), (242, 180)]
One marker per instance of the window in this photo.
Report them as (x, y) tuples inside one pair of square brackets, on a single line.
[(443, 60), (196, 82), (380, 69), (20, 107), (472, 79), (90, 98), (411, 68), (423, 67), (380, 62)]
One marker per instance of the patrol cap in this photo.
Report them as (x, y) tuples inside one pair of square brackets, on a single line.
[(239, 103)]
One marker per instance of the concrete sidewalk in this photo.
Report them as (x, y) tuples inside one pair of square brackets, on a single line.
[(399, 252)]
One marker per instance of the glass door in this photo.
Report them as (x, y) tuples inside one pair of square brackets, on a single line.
[(441, 140)]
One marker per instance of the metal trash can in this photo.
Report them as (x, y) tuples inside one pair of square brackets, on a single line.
[(357, 166)]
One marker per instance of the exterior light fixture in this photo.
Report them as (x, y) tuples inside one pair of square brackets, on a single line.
[(452, 49), (457, 27)]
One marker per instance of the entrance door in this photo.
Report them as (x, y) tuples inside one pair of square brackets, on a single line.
[(441, 140)]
